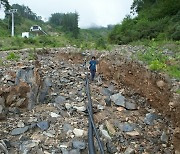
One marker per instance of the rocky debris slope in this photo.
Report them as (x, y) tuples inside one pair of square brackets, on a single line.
[(43, 110)]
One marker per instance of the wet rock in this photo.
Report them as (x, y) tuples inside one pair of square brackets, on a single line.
[(43, 125), (60, 99), (79, 144), (18, 131), (150, 117), (118, 99), (164, 137), (78, 132), (111, 147), (129, 151)]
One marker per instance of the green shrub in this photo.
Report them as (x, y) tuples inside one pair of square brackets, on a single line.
[(32, 55), (101, 44), (174, 71), (13, 56), (1, 62), (157, 65), (178, 91)]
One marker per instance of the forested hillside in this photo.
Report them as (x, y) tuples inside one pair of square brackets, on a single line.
[(62, 30), (155, 19)]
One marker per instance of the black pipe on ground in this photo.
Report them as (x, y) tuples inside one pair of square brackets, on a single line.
[(91, 124)]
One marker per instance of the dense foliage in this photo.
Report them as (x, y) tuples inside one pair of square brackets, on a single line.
[(158, 19), (4, 3), (25, 12), (67, 21)]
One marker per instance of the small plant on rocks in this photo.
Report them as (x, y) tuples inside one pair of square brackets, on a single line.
[(13, 56)]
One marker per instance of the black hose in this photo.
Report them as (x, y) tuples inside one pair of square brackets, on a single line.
[(91, 124)]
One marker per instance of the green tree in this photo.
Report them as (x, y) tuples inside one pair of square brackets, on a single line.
[(5, 3), (67, 21)]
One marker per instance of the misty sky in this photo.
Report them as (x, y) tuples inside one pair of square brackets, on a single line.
[(92, 12)]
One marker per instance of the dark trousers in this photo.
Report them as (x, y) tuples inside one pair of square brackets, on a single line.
[(93, 72)]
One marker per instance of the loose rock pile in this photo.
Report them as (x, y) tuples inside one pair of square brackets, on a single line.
[(43, 111)]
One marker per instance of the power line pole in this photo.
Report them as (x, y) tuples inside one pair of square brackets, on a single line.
[(12, 11)]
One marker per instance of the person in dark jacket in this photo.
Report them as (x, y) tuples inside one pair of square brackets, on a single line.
[(93, 67)]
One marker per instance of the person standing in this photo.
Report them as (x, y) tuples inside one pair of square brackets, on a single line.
[(93, 67)]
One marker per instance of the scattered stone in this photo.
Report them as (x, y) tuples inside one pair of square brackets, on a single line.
[(2, 101), (111, 148), (79, 145), (20, 124), (18, 131), (107, 101), (74, 151), (150, 117), (2, 112), (48, 134), (164, 137), (10, 99), (106, 92), (120, 109), (20, 102), (67, 127), (130, 106), (78, 132), (81, 108), (127, 127), (118, 99), (43, 125), (110, 128), (104, 133), (160, 83), (60, 99), (28, 145), (100, 107), (54, 115), (129, 151), (3, 147), (133, 133), (68, 106)]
